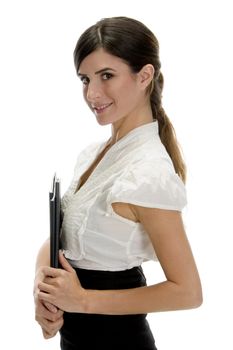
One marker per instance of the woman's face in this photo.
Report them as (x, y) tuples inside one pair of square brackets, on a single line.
[(110, 88)]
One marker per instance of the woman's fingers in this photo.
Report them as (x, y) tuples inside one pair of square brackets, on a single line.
[(49, 317), (47, 335), (64, 263), (50, 322), (43, 312), (51, 307), (61, 287), (44, 287), (49, 328), (47, 271), (50, 271), (45, 297)]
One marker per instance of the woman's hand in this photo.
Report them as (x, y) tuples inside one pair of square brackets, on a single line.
[(49, 317), (61, 287)]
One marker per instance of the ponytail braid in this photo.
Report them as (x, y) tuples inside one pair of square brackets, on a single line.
[(166, 130)]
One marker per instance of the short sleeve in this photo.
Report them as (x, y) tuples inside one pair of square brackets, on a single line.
[(150, 184)]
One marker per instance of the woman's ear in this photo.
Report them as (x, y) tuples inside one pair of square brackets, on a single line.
[(145, 76)]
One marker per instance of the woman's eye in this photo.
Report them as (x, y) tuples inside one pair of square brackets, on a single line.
[(84, 80), (107, 76)]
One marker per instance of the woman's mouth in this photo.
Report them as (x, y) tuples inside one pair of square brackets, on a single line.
[(101, 108)]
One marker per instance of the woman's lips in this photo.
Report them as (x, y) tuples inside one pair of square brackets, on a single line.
[(101, 108)]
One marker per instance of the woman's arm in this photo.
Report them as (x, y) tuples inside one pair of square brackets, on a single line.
[(43, 257), (180, 290)]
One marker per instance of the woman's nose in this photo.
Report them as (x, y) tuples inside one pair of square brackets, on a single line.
[(93, 92)]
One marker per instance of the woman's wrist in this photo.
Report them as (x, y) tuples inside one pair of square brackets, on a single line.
[(82, 304), (91, 301)]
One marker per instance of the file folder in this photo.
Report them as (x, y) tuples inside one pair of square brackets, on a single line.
[(55, 221)]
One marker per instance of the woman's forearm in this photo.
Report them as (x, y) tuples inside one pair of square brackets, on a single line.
[(165, 296), (43, 257), (64, 291)]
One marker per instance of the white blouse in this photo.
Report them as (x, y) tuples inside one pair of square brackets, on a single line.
[(136, 169)]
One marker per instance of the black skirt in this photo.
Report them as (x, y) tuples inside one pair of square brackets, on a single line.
[(107, 332)]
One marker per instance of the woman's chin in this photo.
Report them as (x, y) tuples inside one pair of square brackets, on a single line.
[(103, 121)]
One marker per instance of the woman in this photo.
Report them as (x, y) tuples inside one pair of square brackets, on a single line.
[(123, 206)]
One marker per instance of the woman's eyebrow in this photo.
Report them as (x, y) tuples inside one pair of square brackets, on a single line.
[(99, 71), (104, 69)]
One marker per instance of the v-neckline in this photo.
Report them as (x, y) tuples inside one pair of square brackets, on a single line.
[(100, 150), (130, 135)]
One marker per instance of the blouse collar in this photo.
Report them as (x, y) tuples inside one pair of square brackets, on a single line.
[(136, 136), (143, 131)]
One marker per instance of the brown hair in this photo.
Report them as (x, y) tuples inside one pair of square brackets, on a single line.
[(134, 43)]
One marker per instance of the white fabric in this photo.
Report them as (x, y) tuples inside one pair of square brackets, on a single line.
[(136, 169)]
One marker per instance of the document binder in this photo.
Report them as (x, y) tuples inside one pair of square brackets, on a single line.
[(55, 221)]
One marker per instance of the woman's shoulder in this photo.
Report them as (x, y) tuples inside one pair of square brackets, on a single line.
[(152, 157), (150, 180)]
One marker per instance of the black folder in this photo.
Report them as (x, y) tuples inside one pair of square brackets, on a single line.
[(55, 221)]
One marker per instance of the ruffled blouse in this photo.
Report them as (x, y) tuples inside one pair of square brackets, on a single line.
[(136, 169)]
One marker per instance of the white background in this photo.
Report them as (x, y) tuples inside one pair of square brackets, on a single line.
[(41, 101)]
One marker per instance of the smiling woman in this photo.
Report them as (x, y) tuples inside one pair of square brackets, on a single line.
[(111, 89), (105, 75), (123, 206)]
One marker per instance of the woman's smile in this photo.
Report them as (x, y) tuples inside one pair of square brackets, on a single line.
[(101, 108)]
